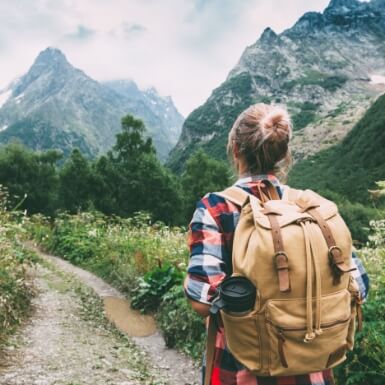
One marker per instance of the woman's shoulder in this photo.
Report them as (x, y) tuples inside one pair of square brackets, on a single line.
[(213, 205)]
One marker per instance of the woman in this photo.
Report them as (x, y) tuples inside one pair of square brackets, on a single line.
[(258, 145)]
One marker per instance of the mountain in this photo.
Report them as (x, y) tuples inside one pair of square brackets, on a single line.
[(350, 167), (159, 113), (328, 68), (56, 105)]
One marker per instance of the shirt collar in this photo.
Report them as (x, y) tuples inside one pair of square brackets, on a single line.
[(245, 179)]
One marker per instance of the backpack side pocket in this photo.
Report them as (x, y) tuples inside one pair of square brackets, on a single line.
[(243, 339)]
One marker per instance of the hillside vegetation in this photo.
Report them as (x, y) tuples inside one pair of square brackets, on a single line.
[(351, 167), (346, 171)]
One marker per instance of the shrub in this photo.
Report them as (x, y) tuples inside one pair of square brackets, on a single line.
[(151, 288), (181, 326)]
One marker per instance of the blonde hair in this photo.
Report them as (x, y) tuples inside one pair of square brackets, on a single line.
[(262, 133)]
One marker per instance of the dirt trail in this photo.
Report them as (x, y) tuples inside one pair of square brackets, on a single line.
[(58, 347)]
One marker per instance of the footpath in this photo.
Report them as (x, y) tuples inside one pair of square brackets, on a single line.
[(68, 340)]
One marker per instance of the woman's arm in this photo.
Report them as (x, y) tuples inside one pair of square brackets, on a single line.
[(201, 308), (206, 268), (360, 276)]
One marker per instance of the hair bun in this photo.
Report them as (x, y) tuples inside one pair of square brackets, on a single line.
[(277, 120), (260, 135)]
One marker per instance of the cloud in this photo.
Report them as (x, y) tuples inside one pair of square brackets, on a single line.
[(131, 30), (82, 33), (185, 48)]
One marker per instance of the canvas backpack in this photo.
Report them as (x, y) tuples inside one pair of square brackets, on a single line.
[(297, 252)]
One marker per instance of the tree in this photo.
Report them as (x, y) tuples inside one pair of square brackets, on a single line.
[(130, 178), (76, 183), (203, 174), (29, 173)]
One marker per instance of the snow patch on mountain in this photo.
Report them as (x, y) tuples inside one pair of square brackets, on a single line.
[(18, 98), (377, 79)]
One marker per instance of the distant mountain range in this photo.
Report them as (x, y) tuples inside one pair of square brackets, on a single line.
[(56, 105), (328, 69)]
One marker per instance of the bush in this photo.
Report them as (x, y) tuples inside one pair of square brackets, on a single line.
[(181, 326), (151, 288)]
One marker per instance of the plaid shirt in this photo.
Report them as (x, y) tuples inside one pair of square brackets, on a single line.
[(210, 241)]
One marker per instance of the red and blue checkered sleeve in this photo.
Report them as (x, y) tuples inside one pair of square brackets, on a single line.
[(208, 251), (361, 276)]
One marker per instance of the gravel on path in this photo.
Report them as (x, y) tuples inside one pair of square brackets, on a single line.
[(165, 366), (59, 345)]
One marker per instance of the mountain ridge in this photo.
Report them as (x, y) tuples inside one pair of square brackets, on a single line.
[(321, 68), (63, 105)]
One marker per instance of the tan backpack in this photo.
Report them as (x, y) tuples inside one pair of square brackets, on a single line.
[(297, 252)]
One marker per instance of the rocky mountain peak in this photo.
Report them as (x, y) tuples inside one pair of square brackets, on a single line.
[(50, 62), (268, 36), (50, 59), (309, 21), (343, 3)]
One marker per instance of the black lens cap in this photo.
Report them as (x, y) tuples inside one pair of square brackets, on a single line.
[(238, 293)]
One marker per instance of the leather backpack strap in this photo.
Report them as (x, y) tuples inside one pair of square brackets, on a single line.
[(272, 193), (210, 349), (235, 195)]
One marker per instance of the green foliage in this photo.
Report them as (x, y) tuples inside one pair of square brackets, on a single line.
[(315, 78), (16, 288), (366, 365), (209, 118), (38, 133), (130, 178), (76, 183), (181, 326), (203, 174), (151, 288), (306, 115), (350, 169), (29, 173), (117, 249)]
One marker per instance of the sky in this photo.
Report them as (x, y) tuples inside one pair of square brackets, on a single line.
[(184, 48)]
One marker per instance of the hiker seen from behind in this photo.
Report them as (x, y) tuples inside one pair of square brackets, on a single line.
[(272, 268)]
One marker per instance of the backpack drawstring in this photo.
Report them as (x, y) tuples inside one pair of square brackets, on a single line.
[(310, 335), (312, 260), (315, 253)]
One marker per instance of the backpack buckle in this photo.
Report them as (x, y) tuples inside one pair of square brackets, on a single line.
[(337, 263), (281, 261)]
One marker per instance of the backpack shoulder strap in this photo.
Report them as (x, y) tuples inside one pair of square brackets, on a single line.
[(235, 195)]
